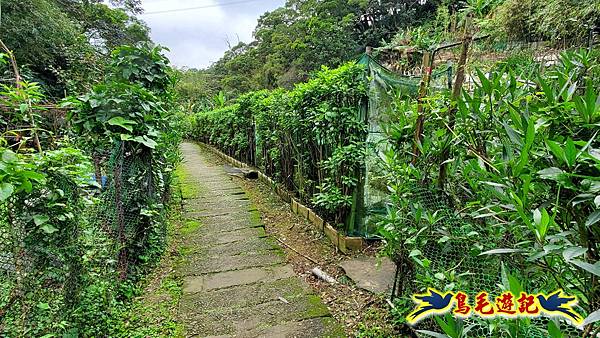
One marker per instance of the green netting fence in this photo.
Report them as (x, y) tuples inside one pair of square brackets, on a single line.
[(67, 246), (385, 89)]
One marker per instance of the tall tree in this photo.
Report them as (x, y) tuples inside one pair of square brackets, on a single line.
[(63, 43)]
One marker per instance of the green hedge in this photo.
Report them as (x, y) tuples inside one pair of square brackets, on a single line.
[(310, 139)]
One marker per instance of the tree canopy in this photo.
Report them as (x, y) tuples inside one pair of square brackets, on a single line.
[(62, 44)]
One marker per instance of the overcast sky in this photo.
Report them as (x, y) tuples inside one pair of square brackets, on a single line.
[(198, 37)]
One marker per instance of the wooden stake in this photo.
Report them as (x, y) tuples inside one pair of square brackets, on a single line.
[(456, 91), (421, 116)]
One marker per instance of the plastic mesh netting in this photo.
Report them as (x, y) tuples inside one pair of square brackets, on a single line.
[(385, 88), (450, 251), (51, 269), (451, 246)]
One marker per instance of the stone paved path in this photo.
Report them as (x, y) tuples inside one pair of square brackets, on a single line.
[(236, 282)]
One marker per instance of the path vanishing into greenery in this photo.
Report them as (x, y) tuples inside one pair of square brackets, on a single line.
[(236, 280)]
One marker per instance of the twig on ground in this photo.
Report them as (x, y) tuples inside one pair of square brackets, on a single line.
[(296, 251)]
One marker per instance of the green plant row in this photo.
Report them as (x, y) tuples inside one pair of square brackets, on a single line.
[(517, 164), (310, 139)]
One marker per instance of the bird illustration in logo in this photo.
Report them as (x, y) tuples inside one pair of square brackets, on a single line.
[(557, 303), (430, 302)]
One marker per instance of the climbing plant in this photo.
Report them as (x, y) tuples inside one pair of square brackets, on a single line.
[(74, 240)]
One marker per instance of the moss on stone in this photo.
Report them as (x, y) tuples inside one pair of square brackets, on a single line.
[(190, 226), (316, 308), (332, 328)]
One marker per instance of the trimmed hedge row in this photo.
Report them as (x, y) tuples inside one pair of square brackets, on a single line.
[(310, 139)]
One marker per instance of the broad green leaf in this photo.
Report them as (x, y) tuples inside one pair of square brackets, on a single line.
[(571, 90), (524, 157), (122, 122), (554, 330), (512, 134), (433, 334), (6, 190), (593, 218), (572, 252), (40, 219), (537, 256), (582, 198), (43, 306), (126, 137), (414, 253), (9, 156), (450, 328), (515, 284), (32, 175), (485, 82), (556, 150), (551, 173), (145, 140), (537, 216), (541, 219), (570, 153), (500, 251), (49, 229), (591, 268), (592, 318)]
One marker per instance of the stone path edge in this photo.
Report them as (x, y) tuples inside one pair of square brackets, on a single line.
[(346, 244)]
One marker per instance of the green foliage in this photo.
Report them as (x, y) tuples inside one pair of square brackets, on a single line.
[(195, 89), (43, 196), (295, 40), (553, 20), (310, 139), (63, 257), (144, 65), (63, 43), (130, 106), (523, 169)]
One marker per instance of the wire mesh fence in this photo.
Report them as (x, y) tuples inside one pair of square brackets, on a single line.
[(449, 245), (66, 243)]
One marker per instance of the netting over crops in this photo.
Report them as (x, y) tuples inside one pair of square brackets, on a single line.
[(449, 249), (451, 246), (385, 88)]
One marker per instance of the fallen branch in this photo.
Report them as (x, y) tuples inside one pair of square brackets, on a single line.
[(296, 251)]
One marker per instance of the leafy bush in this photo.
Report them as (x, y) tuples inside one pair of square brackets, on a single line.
[(523, 172), (553, 20), (71, 257), (310, 139)]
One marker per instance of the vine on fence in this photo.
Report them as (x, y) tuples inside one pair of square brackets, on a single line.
[(72, 246)]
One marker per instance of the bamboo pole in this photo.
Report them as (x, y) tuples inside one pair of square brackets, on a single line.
[(456, 92), (420, 108)]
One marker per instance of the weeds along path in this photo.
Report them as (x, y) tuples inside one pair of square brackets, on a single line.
[(236, 282)]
